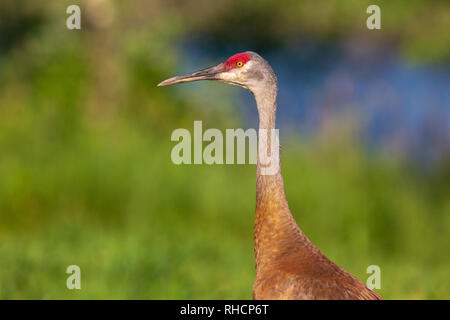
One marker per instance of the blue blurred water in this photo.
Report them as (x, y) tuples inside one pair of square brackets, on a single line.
[(405, 107)]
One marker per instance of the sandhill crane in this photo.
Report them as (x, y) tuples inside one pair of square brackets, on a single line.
[(288, 264)]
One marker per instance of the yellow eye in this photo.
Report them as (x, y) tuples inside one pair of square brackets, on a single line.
[(239, 64)]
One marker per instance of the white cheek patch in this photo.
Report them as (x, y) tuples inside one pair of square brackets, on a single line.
[(235, 75), (228, 76)]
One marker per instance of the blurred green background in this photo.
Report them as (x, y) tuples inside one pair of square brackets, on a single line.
[(85, 170)]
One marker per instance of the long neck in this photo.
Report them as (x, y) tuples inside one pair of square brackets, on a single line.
[(268, 144), (275, 227)]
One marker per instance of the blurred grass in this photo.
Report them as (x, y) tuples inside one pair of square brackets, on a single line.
[(86, 179), (111, 202)]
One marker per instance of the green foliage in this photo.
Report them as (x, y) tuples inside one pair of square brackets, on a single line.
[(418, 28)]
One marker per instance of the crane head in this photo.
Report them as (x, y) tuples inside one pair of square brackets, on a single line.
[(246, 69)]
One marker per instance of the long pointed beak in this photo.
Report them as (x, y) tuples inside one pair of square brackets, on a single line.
[(205, 74)]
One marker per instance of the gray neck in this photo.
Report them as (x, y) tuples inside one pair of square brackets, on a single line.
[(266, 101)]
